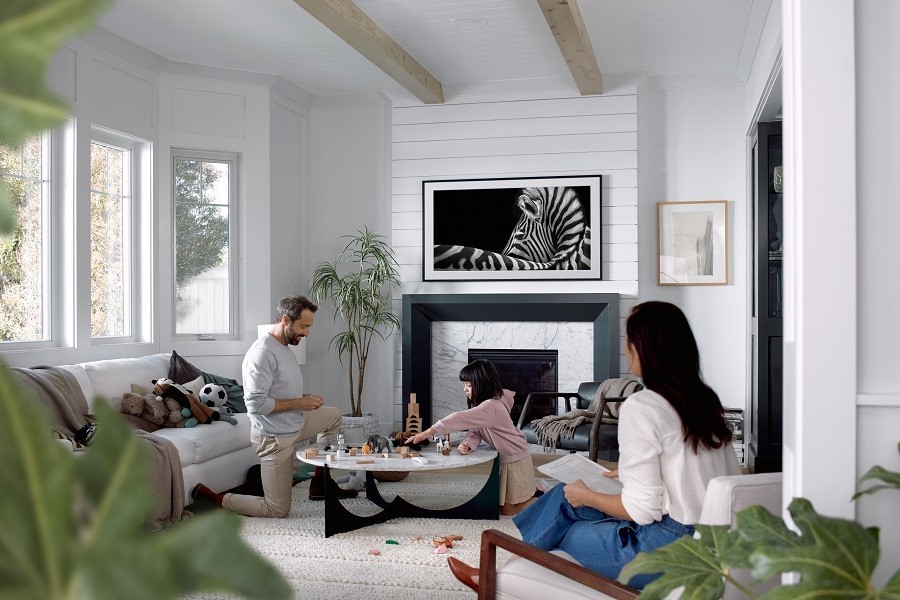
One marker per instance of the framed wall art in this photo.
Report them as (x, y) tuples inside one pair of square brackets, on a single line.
[(692, 238), (530, 228)]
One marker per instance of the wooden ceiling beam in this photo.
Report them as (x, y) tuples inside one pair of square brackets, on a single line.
[(564, 19), (352, 25)]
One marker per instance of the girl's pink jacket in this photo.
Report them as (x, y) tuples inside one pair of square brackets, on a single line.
[(489, 421)]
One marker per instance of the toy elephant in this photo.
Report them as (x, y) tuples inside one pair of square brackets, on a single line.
[(379, 443)]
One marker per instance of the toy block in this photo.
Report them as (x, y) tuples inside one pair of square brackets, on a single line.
[(310, 453), (329, 458), (385, 455), (403, 450), (353, 451), (365, 461)]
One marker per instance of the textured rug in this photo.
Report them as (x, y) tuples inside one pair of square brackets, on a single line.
[(342, 568)]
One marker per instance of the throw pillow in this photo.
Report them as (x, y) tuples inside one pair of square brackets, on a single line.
[(232, 388), (181, 371), (195, 385)]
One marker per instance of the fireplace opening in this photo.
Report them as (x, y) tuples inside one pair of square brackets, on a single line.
[(523, 372)]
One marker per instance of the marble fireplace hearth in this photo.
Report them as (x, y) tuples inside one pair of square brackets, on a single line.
[(595, 314)]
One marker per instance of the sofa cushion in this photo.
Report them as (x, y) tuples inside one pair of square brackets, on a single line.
[(205, 442), (181, 371), (112, 378)]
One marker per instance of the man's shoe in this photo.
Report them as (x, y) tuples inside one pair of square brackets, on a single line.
[(202, 490), (317, 490), (463, 572)]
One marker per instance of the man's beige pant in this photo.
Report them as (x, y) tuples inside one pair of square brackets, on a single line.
[(276, 454)]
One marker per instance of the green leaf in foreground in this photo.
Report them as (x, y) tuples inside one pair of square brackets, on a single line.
[(835, 558), (72, 525), (30, 35), (698, 565)]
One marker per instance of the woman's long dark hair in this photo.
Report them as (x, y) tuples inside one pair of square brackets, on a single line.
[(670, 366), (485, 380)]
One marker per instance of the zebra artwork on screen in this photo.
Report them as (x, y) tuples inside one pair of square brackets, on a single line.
[(536, 228)]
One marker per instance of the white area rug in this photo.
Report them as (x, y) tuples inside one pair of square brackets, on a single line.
[(341, 568)]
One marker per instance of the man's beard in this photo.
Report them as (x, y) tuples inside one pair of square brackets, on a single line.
[(292, 338)]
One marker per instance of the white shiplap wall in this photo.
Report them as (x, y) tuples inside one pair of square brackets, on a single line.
[(517, 136)]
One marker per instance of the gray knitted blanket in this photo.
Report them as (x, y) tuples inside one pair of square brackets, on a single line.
[(58, 390), (549, 430)]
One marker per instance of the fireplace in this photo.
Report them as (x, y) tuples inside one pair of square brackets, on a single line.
[(599, 312), (523, 372)]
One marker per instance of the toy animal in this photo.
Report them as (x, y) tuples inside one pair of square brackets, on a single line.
[(379, 443)]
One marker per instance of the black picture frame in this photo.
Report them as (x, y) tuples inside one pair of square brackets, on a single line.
[(467, 224)]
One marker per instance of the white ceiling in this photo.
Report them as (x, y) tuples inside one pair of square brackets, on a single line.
[(701, 41)]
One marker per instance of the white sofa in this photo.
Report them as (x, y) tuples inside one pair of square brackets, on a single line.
[(217, 454), (522, 579)]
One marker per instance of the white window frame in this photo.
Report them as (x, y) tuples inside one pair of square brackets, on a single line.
[(233, 159), (53, 152), (138, 289)]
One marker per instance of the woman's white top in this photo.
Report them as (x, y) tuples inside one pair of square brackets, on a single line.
[(660, 472)]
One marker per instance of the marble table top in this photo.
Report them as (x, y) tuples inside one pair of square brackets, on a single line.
[(432, 460)]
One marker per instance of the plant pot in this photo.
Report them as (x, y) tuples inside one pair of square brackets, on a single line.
[(357, 430)]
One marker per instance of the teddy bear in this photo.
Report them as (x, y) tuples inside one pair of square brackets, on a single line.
[(165, 412), (191, 408), (214, 396)]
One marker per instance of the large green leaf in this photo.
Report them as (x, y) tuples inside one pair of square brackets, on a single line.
[(72, 525), (699, 565), (835, 558), (890, 478)]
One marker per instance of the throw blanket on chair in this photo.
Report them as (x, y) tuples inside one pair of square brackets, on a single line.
[(58, 390), (548, 430)]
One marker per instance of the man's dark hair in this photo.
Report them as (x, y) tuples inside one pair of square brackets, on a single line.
[(293, 307)]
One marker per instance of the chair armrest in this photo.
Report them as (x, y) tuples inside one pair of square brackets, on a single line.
[(491, 539), (567, 396), (594, 448)]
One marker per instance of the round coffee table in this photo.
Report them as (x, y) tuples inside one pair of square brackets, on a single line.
[(485, 504)]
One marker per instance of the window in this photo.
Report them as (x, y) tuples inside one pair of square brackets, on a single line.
[(25, 254), (111, 237), (204, 193)]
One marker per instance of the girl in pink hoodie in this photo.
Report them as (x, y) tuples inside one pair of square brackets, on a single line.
[(488, 419)]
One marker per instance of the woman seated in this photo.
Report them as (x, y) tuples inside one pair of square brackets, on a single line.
[(673, 439)]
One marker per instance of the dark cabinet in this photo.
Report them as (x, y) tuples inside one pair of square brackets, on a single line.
[(764, 442)]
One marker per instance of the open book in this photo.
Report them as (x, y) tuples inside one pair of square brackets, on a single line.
[(575, 466)]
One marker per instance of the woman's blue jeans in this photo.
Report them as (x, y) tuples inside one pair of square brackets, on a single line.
[(598, 541)]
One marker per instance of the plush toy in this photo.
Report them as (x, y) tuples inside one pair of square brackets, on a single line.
[(190, 406), (164, 412)]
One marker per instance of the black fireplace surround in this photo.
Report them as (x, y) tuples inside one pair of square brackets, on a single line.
[(420, 310)]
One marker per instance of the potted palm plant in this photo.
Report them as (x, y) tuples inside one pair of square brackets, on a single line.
[(359, 284)]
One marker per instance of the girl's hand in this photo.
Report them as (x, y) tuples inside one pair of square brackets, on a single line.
[(577, 493), (417, 438), (463, 449), (611, 474)]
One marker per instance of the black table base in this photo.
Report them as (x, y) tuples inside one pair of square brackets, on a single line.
[(485, 505)]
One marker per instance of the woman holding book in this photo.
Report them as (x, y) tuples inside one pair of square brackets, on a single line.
[(673, 439)]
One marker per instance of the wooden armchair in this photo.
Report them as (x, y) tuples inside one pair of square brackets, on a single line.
[(593, 437), (578, 581), (532, 574)]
